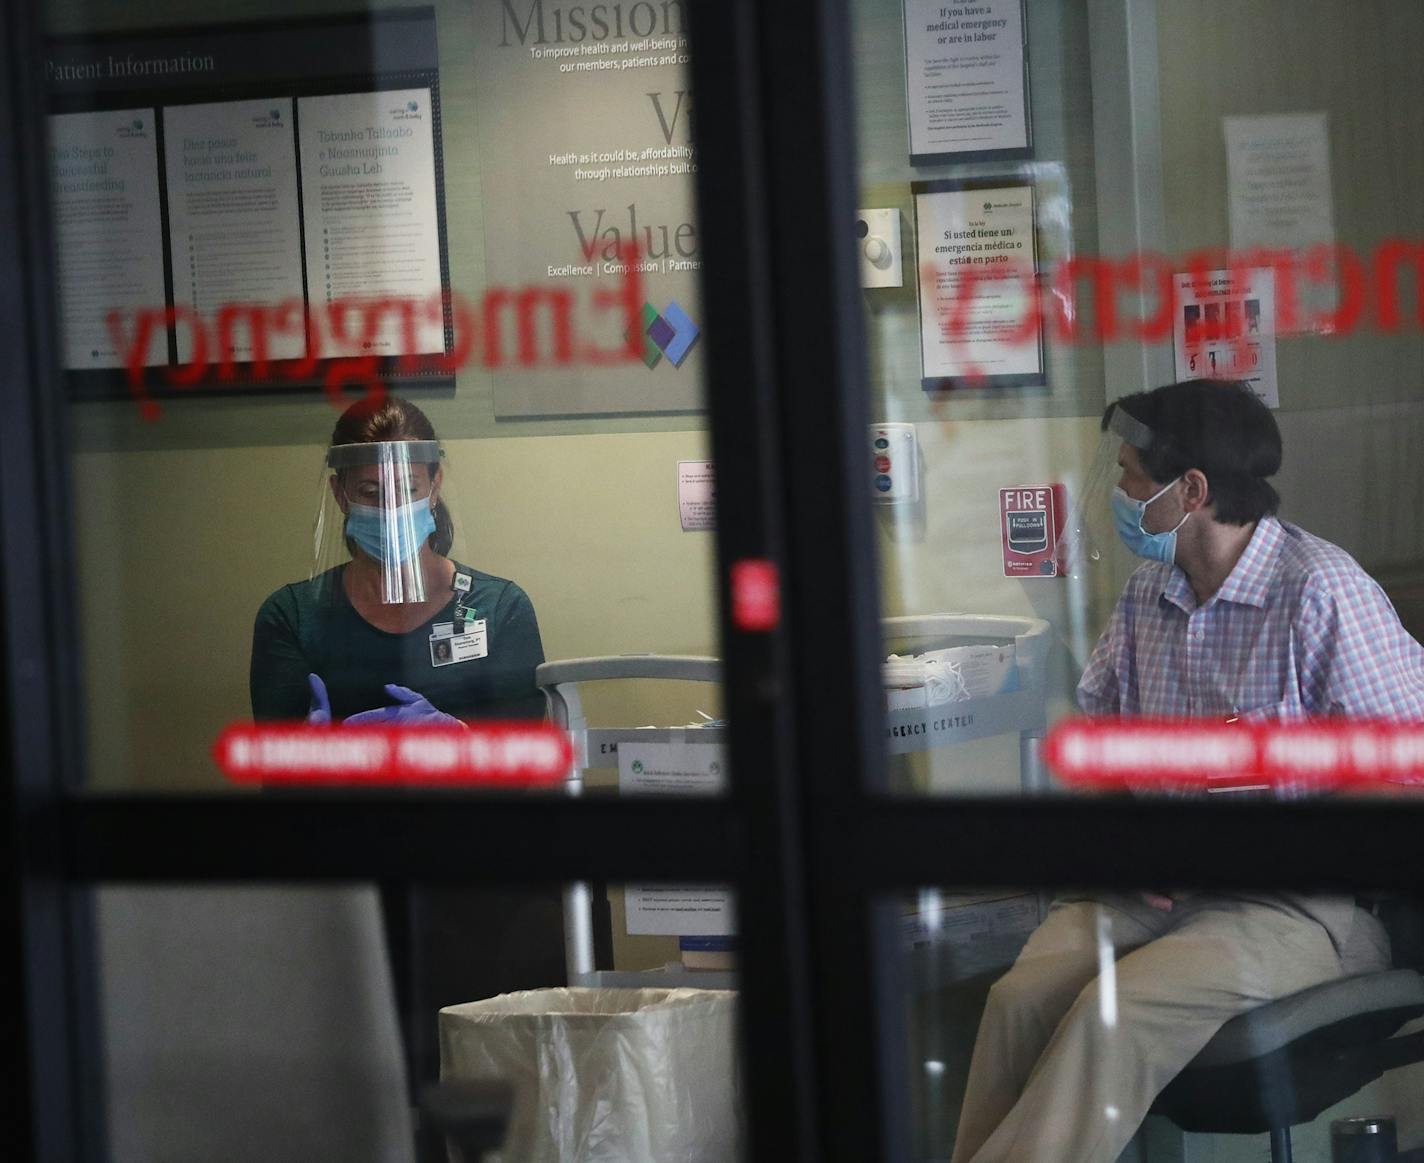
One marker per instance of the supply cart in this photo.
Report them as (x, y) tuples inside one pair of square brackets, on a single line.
[(1020, 710), (597, 747)]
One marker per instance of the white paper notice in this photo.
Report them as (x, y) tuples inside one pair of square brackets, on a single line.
[(1278, 175), (696, 495), (679, 911), (368, 197), (104, 180), (675, 768), (232, 206), (964, 68), (1224, 327), (976, 282), (1278, 169), (684, 768)]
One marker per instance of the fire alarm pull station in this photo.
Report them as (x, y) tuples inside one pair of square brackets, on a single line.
[(895, 463), (1031, 524)]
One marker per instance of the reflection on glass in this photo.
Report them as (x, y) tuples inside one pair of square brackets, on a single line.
[(311, 1022), (1049, 1026), (1258, 562), (1231, 616), (263, 216)]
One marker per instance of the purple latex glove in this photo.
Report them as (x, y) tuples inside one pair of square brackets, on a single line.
[(319, 713), (412, 709)]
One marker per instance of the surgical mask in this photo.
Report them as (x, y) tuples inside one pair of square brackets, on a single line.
[(1127, 516), (391, 535)]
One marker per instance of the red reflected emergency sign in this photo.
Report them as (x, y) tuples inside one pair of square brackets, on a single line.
[(1319, 755), (492, 754)]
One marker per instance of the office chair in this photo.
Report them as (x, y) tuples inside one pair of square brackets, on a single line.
[(1282, 1063), (250, 1023)]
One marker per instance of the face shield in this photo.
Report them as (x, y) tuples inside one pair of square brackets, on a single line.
[(1094, 549), (381, 513)]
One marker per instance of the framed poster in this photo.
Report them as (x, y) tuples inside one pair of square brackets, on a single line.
[(251, 207), (1224, 328), (966, 80), (108, 229), (977, 266), (596, 155)]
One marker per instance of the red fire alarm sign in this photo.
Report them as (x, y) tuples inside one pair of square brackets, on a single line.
[(1031, 521)]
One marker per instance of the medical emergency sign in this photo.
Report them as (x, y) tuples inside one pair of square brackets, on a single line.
[(490, 753), (1031, 521)]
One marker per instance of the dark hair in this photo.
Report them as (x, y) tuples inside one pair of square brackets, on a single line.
[(1220, 428), (369, 421)]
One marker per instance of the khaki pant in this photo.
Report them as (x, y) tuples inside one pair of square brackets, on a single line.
[(1111, 997)]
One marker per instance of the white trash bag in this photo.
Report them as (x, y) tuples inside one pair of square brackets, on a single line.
[(605, 1075)]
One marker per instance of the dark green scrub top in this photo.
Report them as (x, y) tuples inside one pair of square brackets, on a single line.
[(311, 627)]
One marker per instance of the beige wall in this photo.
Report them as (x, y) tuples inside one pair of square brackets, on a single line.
[(1352, 408), (184, 545)]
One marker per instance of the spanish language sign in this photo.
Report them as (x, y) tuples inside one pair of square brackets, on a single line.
[(977, 284), (233, 217)]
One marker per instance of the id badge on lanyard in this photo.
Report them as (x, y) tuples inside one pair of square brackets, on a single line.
[(464, 639)]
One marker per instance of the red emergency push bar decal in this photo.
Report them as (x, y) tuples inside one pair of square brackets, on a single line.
[(756, 595), (1196, 754), (490, 754)]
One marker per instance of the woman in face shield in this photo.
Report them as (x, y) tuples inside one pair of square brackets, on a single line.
[(389, 628)]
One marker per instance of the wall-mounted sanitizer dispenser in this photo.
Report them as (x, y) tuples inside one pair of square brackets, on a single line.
[(878, 234)]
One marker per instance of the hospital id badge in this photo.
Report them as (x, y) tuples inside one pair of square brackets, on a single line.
[(452, 648)]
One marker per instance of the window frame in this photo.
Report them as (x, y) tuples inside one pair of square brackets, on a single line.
[(806, 835)]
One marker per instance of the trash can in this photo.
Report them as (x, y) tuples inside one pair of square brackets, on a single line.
[(605, 1075), (1363, 1141)]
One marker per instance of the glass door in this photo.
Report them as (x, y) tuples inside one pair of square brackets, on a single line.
[(1136, 665), (393, 674)]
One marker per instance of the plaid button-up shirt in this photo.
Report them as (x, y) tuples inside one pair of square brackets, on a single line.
[(1297, 630)]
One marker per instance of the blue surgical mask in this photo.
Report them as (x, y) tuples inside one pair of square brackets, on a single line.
[(391, 535), (1127, 516)]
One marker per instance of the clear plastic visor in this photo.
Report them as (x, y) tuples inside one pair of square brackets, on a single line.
[(1092, 540), (381, 512)]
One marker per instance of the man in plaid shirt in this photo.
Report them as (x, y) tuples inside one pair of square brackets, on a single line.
[(1237, 615)]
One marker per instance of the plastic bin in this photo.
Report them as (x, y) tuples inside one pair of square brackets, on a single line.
[(605, 1075)]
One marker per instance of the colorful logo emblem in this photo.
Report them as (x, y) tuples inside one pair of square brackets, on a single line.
[(667, 333)]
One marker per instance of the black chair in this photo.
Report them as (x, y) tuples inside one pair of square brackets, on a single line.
[(473, 1117), (1283, 1063)]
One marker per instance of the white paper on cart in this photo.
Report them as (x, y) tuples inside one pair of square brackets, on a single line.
[(675, 768), (952, 675), (671, 768), (679, 910)]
